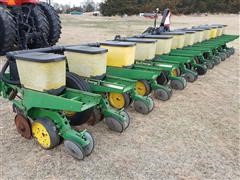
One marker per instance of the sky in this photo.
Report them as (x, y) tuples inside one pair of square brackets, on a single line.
[(73, 2)]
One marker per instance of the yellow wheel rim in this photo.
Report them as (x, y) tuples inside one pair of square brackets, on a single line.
[(116, 100), (69, 113), (174, 72), (41, 134), (141, 88)]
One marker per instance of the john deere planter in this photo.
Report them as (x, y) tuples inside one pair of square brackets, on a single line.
[(90, 63), (46, 109), (145, 53), (120, 63)]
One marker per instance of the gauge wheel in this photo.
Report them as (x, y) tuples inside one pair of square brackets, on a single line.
[(119, 100), (46, 133), (143, 88)]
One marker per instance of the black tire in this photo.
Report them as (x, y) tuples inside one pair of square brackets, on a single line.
[(147, 86), (201, 70), (75, 82), (38, 22), (7, 30), (54, 22), (52, 131)]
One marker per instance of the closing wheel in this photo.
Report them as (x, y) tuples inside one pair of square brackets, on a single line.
[(190, 77), (143, 107), (223, 56), (143, 88), (228, 53), (45, 132), (118, 100), (232, 50), (178, 84), (201, 70), (217, 60), (162, 94), (89, 148), (210, 65), (117, 125), (74, 149), (23, 126)]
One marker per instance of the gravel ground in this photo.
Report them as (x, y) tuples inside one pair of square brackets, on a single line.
[(195, 135)]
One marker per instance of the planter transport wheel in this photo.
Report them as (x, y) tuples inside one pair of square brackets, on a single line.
[(74, 149), (118, 100), (89, 148), (217, 60), (45, 132), (143, 88), (162, 94), (23, 126)]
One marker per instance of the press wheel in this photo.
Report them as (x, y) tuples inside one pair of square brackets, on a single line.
[(74, 149)]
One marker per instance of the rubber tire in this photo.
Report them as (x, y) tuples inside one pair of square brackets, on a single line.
[(127, 100), (141, 107), (148, 87), (201, 70), (223, 56), (74, 149), (76, 82), (90, 147), (7, 30), (210, 65), (53, 21), (190, 77), (217, 60), (162, 94), (41, 23), (177, 85), (52, 131)]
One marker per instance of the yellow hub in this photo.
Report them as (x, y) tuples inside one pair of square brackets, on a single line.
[(175, 72), (116, 100), (141, 88), (41, 134), (69, 113)]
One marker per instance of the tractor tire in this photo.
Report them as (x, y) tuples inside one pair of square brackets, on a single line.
[(54, 22), (75, 82), (39, 24), (7, 31)]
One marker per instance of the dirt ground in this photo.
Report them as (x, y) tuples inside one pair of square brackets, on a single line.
[(195, 135)]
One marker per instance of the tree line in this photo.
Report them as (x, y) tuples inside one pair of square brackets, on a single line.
[(133, 7)]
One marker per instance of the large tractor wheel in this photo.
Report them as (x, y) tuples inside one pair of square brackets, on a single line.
[(54, 23), (77, 118), (35, 19), (7, 30)]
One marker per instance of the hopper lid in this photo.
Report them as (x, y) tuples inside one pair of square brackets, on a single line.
[(138, 40), (40, 57), (86, 49), (118, 43), (174, 33), (156, 36)]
